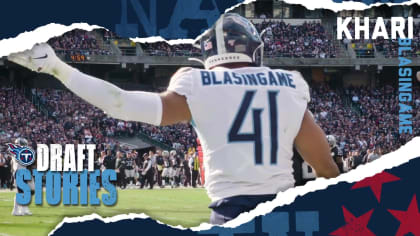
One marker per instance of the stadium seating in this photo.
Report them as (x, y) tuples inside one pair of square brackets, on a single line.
[(361, 118), (387, 48), (67, 107), (308, 40), (282, 39), (78, 45)]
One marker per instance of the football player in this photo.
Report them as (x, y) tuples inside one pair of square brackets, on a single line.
[(247, 116), (302, 171), (21, 210), (176, 169), (166, 168), (130, 169), (159, 167), (336, 153)]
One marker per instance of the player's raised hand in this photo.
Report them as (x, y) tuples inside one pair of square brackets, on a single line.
[(41, 58)]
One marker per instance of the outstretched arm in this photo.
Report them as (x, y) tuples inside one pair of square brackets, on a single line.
[(314, 149), (146, 107)]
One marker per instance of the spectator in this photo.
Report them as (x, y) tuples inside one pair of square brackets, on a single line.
[(195, 167), (187, 171), (308, 40), (159, 167), (371, 121), (119, 169), (147, 172), (78, 45), (3, 171), (109, 160)]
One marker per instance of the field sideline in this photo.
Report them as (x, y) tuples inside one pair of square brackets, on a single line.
[(186, 207)]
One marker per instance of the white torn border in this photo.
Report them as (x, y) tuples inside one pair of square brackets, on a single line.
[(94, 216), (345, 5), (309, 4), (41, 34), (404, 154), (113, 219), (409, 151)]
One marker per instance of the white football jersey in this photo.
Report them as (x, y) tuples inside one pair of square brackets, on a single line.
[(246, 119)]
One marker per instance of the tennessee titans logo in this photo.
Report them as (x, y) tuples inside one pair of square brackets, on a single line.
[(23, 155)]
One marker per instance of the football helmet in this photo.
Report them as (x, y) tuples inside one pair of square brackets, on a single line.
[(21, 142), (232, 39), (165, 153), (331, 141)]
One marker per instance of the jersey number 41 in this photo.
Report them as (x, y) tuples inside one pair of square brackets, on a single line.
[(256, 136)]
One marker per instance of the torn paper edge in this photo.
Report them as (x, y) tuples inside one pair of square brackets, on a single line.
[(41, 34), (308, 4), (344, 5), (401, 156), (113, 219)]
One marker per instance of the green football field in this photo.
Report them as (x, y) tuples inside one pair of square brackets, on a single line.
[(186, 207)]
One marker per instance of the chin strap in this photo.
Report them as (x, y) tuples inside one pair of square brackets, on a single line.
[(263, 32)]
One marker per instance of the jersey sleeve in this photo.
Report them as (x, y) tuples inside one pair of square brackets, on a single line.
[(302, 86), (182, 82)]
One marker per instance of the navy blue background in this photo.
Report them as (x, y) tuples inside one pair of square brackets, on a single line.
[(18, 16)]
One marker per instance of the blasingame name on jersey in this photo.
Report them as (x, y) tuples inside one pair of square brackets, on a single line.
[(269, 78), (262, 111)]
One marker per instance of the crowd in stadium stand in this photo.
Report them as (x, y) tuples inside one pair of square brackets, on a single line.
[(388, 47), (164, 49), (78, 45), (281, 39), (180, 136), (76, 115), (109, 35), (20, 118), (71, 120), (308, 40), (363, 120)]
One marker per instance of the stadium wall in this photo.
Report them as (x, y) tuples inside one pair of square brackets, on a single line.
[(272, 62), (287, 21), (356, 79)]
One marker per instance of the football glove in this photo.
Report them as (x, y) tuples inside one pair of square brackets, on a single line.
[(41, 58)]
